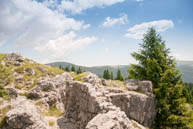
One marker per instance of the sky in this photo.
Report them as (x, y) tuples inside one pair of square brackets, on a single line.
[(93, 32)]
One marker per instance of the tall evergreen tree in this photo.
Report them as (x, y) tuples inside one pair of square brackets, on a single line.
[(60, 66), (157, 65), (119, 75), (112, 76), (67, 69), (79, 70), (73, 69), (106, 74)]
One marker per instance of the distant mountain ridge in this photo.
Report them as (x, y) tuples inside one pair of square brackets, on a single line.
[(186, 67)]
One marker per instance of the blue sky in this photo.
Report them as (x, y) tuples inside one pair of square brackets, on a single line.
[(92, 33)]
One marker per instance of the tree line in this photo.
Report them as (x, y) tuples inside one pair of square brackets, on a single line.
[(72, 69), (109, 75)]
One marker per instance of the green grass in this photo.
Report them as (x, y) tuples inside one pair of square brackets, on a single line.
[(2, 57), (53, 111), (78, 77), (3, 112), (115, 83), (23, 94), (18, 86), (4, 93)]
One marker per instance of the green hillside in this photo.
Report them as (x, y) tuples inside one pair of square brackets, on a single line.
[(186, 67)]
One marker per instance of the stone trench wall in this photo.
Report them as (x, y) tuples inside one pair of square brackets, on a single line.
[(90, 107)]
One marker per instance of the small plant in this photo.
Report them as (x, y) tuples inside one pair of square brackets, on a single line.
[(5, 75), (80, 76), (3, 112), (3, 92), (51, 122), (23, 94), (20, 70), (17, 86), (53, 111)]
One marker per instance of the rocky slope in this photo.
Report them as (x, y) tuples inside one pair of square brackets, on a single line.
[(35, 96)]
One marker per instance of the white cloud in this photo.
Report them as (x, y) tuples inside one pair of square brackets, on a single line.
[(29, 22), (77, 6), (64, 45), (139, 0), (139, 30), (113, 21)]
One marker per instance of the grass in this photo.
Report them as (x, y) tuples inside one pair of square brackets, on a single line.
[(4, 93), (17, 86), (34, 84), (3, 112), (36, 67), (39, 104), (78, 77), (23, 94), (53, 111), (2, 56), (51, 122), (115, 83)]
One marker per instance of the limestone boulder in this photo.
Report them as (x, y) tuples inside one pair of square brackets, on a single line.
[(15, 57), (30, 71), (24, 115), (12, 92), (110, 120), (139, 86), (137, 106), (92, 79)]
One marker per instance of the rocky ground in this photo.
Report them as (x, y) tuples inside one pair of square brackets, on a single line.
[(35, 96)]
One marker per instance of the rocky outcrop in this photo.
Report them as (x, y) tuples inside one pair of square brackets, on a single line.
[(15, 59), (86, 103), (51, 91), (24, 115), (90, 103)]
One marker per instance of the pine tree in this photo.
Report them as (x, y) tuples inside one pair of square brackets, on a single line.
[(106, 74), (79, 70), (60, 66), (73, 69), (156, 65), (67, 69), (112, 77), (119, 75)]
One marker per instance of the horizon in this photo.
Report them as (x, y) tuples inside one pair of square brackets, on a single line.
[(91, 34)]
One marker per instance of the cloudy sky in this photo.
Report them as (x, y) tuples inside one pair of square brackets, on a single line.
[(93, 32)]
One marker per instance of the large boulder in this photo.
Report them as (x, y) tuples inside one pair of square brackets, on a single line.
[(30, 71), (137, 106), (145, 87), (110, 120), (24, 115), (92, 79), (15, 57)]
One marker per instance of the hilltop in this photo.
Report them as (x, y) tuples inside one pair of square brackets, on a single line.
[(37, 96)]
